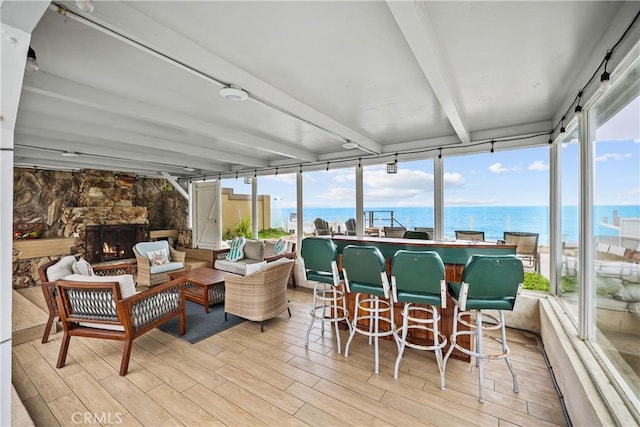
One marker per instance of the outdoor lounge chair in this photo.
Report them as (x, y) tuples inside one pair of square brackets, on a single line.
[(526, 247), (475, 236), (322, 227), (395, 232), (350, 227), (428, 230)]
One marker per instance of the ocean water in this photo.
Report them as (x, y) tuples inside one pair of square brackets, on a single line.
[(493, 220)]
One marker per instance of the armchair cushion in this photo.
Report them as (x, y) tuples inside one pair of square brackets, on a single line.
[(144, 248), (162, 268), (127, 285), (81, 266), (61, 269)]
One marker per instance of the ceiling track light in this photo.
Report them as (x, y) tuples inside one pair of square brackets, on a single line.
[(32, 64)]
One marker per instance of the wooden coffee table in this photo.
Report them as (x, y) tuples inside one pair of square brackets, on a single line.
[(204, 286)]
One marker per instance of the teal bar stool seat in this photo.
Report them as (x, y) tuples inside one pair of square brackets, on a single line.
[(365, 274), (320, 257), (489, 282), (418, 281)]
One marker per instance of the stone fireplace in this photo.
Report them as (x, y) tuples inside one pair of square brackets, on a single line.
[(113, 242), (106, 233)]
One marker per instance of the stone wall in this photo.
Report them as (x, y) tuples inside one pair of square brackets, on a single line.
[(50, 202)]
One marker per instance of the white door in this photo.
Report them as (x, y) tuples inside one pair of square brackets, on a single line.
[(206, 227)]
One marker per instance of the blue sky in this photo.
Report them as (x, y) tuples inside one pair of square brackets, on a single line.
[(502, 178)]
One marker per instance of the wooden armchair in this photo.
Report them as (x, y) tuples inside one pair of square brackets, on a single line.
[(97, 310), (49, 288), (259, 296)]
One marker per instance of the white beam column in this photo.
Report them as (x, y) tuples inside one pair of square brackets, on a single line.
[(359, 201), (254, 206), (438, 199), (299, 212), (18, 21)]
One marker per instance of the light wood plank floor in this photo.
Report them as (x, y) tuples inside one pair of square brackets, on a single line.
[(242, 377)]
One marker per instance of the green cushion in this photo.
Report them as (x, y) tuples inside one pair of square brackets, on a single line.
[(363, 265), (419, 298)]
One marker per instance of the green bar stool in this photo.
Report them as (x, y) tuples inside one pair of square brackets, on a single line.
[(489, 282), (418, 280), (365, 274), (320, 257)]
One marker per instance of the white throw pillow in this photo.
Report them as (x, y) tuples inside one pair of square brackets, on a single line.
[(159, 257), (61, 269), (127, 285), (81, 266), (236, 249), (281, 247)]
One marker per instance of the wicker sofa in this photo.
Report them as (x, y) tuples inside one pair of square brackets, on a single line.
[(256, 254)]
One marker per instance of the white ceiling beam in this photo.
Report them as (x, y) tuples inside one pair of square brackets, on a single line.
[(414, 21), (89, 133), (96, 162), (22, 15), (60, 88), (48, 140), (120, 18), (174, 182)]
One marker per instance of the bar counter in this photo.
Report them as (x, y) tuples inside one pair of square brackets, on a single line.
[(454, 254)]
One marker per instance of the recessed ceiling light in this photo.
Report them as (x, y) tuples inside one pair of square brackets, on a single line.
[(350, 145), (69, 154), (188, 169), (233, 93)]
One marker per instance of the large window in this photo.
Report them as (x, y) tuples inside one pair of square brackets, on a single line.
[(615, 286), (403, 199), (499, 192), (328, 195)]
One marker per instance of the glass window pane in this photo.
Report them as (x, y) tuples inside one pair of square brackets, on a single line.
[(505, 191), (329, 200), (281, 192), (570, 221), (236, 208), (616, 228), (403, 199)]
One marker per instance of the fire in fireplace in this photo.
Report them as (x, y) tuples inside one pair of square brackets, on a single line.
[(113, 242)]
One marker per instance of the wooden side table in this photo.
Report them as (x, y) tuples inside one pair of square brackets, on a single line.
[(204, 285)]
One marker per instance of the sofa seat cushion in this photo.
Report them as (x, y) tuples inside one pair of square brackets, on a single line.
[(235, 267), (163, 268)]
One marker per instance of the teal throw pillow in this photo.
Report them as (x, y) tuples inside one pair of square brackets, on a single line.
[(236, 249), (280, 247)]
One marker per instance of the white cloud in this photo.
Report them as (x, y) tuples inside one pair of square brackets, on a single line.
[(453, 179), (288, 178), (538, 165), (469, 202), (634, 192), (498, 168), (613, 156)]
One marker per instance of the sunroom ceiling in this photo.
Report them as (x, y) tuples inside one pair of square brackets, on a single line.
[(390, 76)]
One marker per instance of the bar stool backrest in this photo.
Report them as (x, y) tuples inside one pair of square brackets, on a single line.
[(318, 254), (364, 266), (493, 277), (415, 235), (420, 272)]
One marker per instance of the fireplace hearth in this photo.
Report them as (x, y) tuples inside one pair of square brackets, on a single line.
[(113, 242)]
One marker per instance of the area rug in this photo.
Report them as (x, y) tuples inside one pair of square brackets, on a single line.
[(201, 325)]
